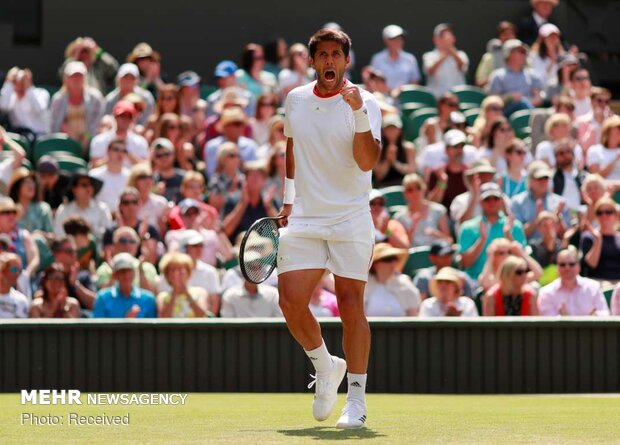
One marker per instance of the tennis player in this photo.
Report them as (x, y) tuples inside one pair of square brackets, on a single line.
[(334, 132)]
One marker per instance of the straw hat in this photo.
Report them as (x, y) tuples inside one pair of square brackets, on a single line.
[(385, 250), (229, 116), (230, 96), (446, 274), (19, 175), (142, 51)]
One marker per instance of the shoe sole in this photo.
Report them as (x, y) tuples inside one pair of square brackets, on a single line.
[(351, 427), (342, 370)]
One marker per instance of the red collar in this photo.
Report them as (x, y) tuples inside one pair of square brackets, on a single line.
[(316, 92)]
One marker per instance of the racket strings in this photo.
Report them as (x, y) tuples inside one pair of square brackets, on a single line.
[(261, 249)]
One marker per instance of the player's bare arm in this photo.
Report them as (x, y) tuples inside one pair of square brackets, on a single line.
[(366, 149)]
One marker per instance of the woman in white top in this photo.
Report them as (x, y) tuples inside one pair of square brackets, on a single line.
[(299, 72), (266, 107), (492, 109), (545, 53), (557, 127), (25, 104), (603, 158), (388, 292), (447, 301)]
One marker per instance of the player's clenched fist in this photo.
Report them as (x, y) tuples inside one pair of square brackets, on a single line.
[(351, 95)]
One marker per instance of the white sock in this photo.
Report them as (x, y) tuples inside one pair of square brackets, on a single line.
[(321, 358), (356, 387)]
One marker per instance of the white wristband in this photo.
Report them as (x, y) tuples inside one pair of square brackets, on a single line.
[(362, 123), (289, 191)]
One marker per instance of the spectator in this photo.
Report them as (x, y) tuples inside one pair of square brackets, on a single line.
[(267, 105), (275, 55), (398, 66), (125, 300), (434, 127), (568, 177), (126, 240), (514, 179), (538, 119), (177, 129), (298, 73), (567, 64), (22, 242), (529, 26), (250, 300), (602, 242), (113, 174), (13, 304), (545, 55), (88, 255), (148, 62), (445, 66), (589, 125), (250, 203), (252, 75), (189, 91), (231, 123), (25, 104), (152, 207), (447, 301), (603, 158), (440, 255), (166, 176), (53, 300), (34, 215), (323, 303), (494, 58), (492, 109), (557, 128), (375, 83), (477, 233), (528, 204), (193, 187), (167, 102), (225, 78), (397, 157), (76, 109), (501, 135), (227, 177), (202, 275), (79, 282), (593, 188), (23, 282), (213, 127), (511, 295), (387, 229), (389, 293), (446, 182), (127, 82), (424, 221), (101, 65), (518, 85), (182, 300), (53, 183), (581, 91), (276, 165), (546, 248), (81, 194), (137, 148), (10, 163), (571, 294), (435, 155), (498, 250), (276, 137)]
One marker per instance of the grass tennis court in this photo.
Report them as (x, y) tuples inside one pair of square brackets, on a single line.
[(286, 419)]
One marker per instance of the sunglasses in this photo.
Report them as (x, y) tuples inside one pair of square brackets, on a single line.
[(162, 155), (118, 149), (451, 104), (520, 272), (129, 202), (412, 189), (605, 212), (519, 152), (569, 264), (127, 241), (582, 78), (144, 177), (8, 212), (601, 101)]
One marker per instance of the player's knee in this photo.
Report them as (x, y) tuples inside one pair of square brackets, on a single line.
[(351, 308), (289, 304)]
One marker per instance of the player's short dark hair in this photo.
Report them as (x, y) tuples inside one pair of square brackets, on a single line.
[(329, 35)]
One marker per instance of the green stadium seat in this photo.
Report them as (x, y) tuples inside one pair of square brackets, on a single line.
[(414, 122), (608, 292), (469, 94), (393, 195), (52, 89), (20, 139), (478, 295), (520, 122), (68, 163), (393, 210), (410, 107), (56, 142), (418, 259), (416, 93), (45, 252), (206, 90), (464, 106), (471, 116)]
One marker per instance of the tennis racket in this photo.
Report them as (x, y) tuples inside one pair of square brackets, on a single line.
[(258, 253)]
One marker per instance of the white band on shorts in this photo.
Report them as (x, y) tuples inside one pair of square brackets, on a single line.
[(362, 123), (289, 191)]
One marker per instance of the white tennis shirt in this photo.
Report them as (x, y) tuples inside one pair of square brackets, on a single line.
[(329, 185)]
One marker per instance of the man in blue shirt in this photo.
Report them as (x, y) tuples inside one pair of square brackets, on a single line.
[(124, 300), (477, 233)]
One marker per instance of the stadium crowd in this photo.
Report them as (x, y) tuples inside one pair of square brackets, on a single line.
[(125, 194)]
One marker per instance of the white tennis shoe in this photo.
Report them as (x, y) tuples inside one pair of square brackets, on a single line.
[(326, 391), (353, 415)]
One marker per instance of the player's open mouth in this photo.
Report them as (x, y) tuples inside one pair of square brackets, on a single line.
[(329, 75)]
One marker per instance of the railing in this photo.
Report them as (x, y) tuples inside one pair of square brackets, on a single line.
[(485, 355)]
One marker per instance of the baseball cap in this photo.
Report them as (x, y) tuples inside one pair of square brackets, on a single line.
[(392, 120), (225, 68), (454, 137), (188, 79), (512, 44), (47, 164), (128, 69), (457, 118), (490, 189), (480, 166), (374, 194), (539, 169), (122, 107), (75, 67), (162, 143), (547, 29), (191, 237), (393, 31), (441, 28), (441, 248), (187, 204), (123, 261)]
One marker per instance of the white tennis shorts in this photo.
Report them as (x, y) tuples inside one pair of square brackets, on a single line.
[(345, 249)]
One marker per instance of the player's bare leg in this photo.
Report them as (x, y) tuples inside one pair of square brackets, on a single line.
[(295, 288), (356, 345)]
